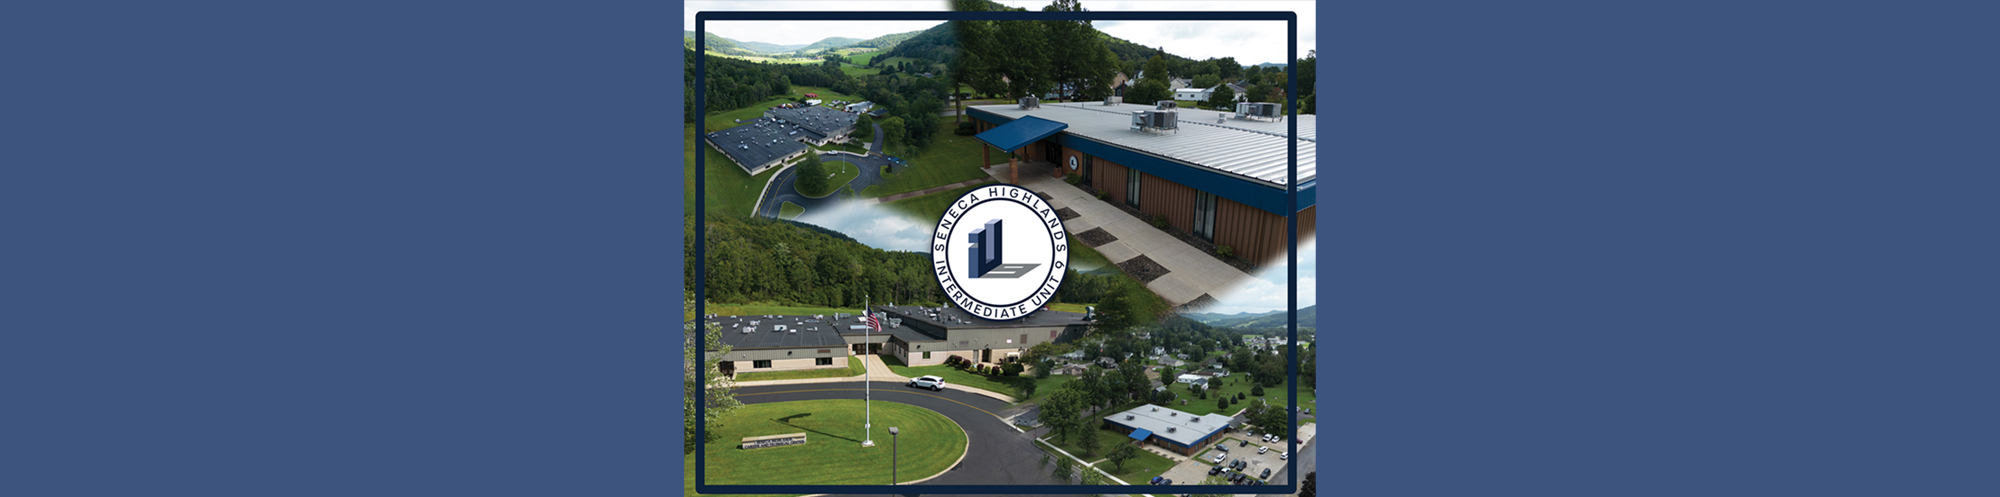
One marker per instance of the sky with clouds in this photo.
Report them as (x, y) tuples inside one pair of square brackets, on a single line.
[(1266, 292), (1249, 42)]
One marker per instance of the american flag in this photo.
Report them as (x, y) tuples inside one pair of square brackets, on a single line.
[(873, 323)]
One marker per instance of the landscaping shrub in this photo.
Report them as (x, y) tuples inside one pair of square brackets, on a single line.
[(1103, 195), (1224, 250), (1160, 221), (964, 129), (1257, 390), (1073, 178), (1239, 396), (1014, 369)]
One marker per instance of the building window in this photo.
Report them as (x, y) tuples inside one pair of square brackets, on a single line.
[(927, 354), (823, 361), (1132, 179), (1204, 215), (766, 364)]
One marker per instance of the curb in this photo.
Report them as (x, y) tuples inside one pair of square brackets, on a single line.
[(954, 464)]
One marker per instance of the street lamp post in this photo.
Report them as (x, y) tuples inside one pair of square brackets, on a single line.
[(892, 454)]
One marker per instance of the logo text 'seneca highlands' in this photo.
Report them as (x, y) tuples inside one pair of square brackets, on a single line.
[(999, 252)]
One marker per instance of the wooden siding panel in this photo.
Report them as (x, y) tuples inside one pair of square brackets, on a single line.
[(1111, 179), (1161, 197)]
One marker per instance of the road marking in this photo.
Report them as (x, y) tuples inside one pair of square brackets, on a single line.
[(995, 416)]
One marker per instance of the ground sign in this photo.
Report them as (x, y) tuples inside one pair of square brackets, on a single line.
[(774, 441)]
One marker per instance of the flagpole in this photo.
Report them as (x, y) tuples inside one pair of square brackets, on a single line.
[(867, 401)]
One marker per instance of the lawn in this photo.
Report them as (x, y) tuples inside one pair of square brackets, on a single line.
[(1069, 307), (857, 71), (1230, 386), (842, 172), (953, 376), (1083, 258), (854, 368), (761, 308), (833, 454), (930, 207), (950, 159), (730, 190), (1139, 470), (790, 211), (861, 59), (1046, 386)]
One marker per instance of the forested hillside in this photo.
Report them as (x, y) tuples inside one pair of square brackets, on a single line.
[(886, 41), (794, 264), (939, 44)]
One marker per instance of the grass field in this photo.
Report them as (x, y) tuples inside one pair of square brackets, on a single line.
[(790, 211), (1140, 469), (854, 368), (952, 376), (760, 308), (1230, 386), (950, 159), (1069, 307), (930, 207), (861, 59), (842, 171), (765, 59), (1084, 258), (858, 71), (730, 190), (833, 454)]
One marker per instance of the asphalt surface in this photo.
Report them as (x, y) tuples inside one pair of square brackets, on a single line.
[(785, 189), (996, 454)]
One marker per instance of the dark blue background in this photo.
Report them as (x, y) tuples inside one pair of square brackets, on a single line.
[(1568, 249)]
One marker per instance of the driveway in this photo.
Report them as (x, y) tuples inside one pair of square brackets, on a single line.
[(996, 454), (784, 189)]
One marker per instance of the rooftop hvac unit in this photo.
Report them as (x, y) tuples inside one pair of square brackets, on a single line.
[(1155, 120), (1030, 102), (1258, 110), (1170, 429), (1167, 104), (1129, 417)]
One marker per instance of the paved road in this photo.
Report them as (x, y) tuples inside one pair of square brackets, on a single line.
[(996, 454), (783, 189), (876, 147)]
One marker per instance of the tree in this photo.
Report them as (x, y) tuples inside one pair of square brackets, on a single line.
[(1261, 92), (1222, 402), (1064, 469), (1061, 412), (1023, 56), (1309, 487), (1090, 443), (1222, 97), (1257, 390), (1227, 67), (811, 175), (1216, 480), (864, 127), (1124, 452), (1206, 80), (894, 133), (719, 394), (1148, 91), (1157, 70), (1118, 310), (1168, 375), (1134, 376)]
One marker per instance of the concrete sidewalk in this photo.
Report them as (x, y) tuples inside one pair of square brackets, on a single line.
[(1190, 273)]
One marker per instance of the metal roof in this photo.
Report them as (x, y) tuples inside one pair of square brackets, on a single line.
[(808, 334), (1020, 132), (822, 120), (952, 318), (1240, 147), (757, 142), (1179, 427)]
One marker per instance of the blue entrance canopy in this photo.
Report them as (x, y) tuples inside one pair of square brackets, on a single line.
[(1141, 435), (1020, 132)]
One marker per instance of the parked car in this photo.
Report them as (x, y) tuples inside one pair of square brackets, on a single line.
[(1166, 481), (1155, 481), (1222, 447), (1219, 456), (1267, 439), (931, 382), (1284, 455), (1243, 443), (1213, 470), (1266, 475), (1261, 450)]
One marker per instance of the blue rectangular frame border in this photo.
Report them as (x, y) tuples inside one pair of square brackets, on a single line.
[(1291, 232)]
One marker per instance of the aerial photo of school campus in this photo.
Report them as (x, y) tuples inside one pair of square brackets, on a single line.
[(831, 151)]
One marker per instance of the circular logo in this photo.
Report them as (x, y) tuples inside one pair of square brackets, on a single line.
[(999, 252), (1072, 163)]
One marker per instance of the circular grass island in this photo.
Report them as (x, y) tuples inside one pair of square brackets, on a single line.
[(832, 455)]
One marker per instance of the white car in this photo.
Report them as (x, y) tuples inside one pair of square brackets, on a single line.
[(1267, 439), (1261, 450), (1284, 455), (1219, 456), (931, 382)]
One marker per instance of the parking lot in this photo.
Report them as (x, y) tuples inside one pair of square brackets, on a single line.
[(1193, 471)]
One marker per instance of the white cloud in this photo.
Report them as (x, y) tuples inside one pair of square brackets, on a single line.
[(873, 225), (1266, 292)]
